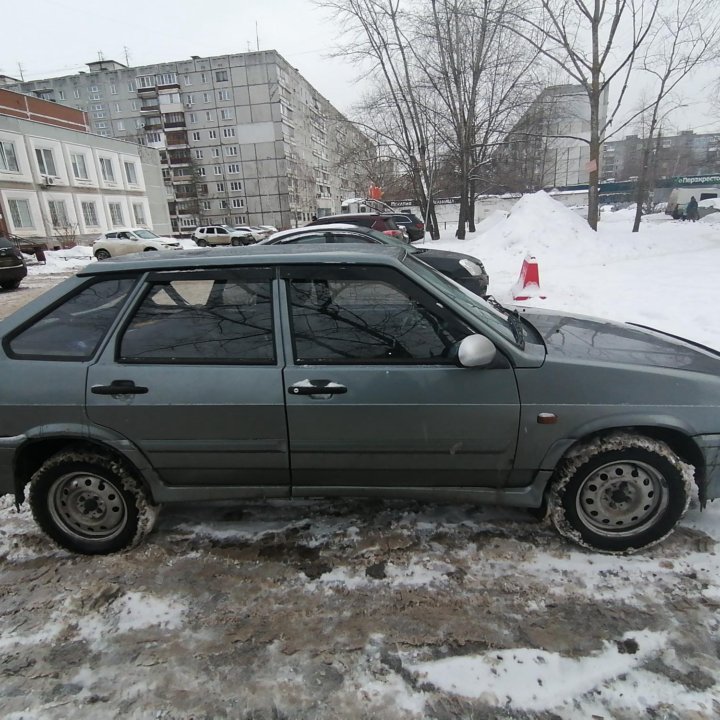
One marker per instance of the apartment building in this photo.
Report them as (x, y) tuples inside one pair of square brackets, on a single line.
[(243, 138), (61, 183), (686, 153)]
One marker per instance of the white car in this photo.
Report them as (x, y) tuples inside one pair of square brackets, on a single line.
[(222, 235), (131, 240)]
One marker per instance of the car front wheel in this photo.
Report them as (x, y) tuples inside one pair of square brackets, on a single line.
[(11, 284), (102, 255), (620, 493), (90, 503)]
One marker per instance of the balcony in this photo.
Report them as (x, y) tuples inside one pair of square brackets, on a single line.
[(148, 108), (146, 91)]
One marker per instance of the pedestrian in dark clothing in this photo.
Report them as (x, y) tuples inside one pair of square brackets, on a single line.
[(691, 211)]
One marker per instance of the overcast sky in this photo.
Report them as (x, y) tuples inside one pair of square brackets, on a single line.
[(57, 37)]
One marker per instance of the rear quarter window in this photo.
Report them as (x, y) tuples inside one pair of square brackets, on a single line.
[(73, 329)]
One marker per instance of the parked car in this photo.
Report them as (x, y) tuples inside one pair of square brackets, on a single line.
[(463, 269), (271, 228), (213, 235), (412, 224), (279, 371), (130, 240), (12, 265), (256, 232), (383, 223), (680, 197)]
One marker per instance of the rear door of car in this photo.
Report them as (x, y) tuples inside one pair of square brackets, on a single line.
[(193, 377), (374, 397)]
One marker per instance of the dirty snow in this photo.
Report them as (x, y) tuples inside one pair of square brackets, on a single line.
[(395, 610)]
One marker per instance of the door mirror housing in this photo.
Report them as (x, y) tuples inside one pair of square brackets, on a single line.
[(475, 351)]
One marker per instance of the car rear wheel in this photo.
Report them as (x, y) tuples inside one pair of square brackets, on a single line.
[(150, 249), (11, 284), (90, 503), (102, 255), (620, 493), (236, 242), (200, 242)]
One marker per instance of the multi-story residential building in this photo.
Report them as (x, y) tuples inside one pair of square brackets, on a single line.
[(672, 156), (243, 138), (549, 146), (61, 183)]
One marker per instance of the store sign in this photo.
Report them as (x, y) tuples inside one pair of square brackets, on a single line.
[(698, 180)]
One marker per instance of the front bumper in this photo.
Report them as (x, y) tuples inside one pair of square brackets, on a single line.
[(12, 273), (710, 447)]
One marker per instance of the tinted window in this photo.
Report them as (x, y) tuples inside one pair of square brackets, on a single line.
[(4, 243), (360, 315), (74, 329), (210, 319)]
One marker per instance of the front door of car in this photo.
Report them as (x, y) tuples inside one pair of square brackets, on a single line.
[(223, 236), (374, 396), (126, 243), (193, 377)]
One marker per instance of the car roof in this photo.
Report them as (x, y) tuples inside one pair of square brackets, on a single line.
[(314, 228), (205, 258), (355, 215)]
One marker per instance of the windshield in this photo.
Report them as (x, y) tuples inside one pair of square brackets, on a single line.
[(146, 235), (466, 299)]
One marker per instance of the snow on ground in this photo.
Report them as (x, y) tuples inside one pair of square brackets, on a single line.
[(396, 610)]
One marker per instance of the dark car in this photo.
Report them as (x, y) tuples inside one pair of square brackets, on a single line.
[(413, 225), (463, 269), (12, 265), (382, 222), (340, 371)]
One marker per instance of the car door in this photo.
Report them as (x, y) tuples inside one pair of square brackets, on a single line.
[(374, 397), (222, 236), (193, 378), (125, 244)]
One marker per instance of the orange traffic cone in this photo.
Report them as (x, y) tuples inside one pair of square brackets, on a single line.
[(528, 284)]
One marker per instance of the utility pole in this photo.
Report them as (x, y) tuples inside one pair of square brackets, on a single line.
[(127, 55), (20, 70), (257, 37)]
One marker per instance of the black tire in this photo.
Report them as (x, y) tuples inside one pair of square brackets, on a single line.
[(11, 284), (89, 503), (150, 250), (235, 242), (102, 255), (200, 242), (620, 493)]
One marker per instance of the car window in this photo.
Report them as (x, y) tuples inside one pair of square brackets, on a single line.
[(146, 234), (318, 238), (221, 231), (352, 239), (219, 318), (4, 243), (111, 235), (209, 231), (73, 330), (368, 315)]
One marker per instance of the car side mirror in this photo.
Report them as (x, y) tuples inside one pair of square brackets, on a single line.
[(475, 351)]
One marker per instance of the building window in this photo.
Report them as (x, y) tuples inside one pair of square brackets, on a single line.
[(106, 168), (238, 203), (95, 96), (220, 187), (113, 89), (134, 105), (154, 137), (229, 132), (203, 77), (222, 204), (221, 75), (212, 134), (101, 125), (206, 205), (96, 107), (206, 97), (187, 80), (216, 152), (226, 114), (76, 92), (239, 219), (166, 79), (199, 154), (131, 86), (192, 118), (189, 99), (131, 173), (145, 81), (99, 115), (116, 214), (231, 150), (218, 169), (61, 94), (120, 125), (46, 162), (236, 186), (117, 107), (8, 158), (139, 212), (79, 167), (93, 88), (58, 213), (209, 116), (104, 133), (223, 94), (196, 135), (20, 213), (234, 168), (89, 212)]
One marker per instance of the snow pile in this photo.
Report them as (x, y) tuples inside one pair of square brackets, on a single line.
[(711, 219), (58, 261), (493, 219), (710, 203)]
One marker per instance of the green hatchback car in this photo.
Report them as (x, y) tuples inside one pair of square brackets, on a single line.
[(360, 371)]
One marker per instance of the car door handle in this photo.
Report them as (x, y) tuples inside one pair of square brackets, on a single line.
[(119, 387), (317, 387)]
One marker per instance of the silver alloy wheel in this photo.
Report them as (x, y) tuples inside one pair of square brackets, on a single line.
[(102, 254), (622, 498), (87, 506)]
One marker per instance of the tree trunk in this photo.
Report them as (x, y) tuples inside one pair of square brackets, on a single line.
[(471, 207)]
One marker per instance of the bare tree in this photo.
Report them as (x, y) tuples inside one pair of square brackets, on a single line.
[(686, 37), (583, 38)]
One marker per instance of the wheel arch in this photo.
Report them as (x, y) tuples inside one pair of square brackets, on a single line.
[(41, 445)]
